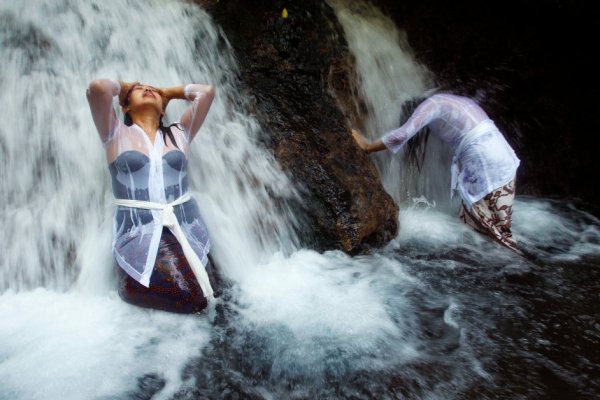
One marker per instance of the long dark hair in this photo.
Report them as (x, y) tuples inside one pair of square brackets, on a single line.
[(415, 147), (166, 130)]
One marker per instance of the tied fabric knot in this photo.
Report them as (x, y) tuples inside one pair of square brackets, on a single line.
[(170, 221)]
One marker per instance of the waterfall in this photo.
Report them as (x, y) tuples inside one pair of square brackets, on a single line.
[(57, 203), (388, 75), (440, 313), (57, 289)]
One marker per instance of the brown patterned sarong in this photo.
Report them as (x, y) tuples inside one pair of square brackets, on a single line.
[(173, 285), (492, 215)]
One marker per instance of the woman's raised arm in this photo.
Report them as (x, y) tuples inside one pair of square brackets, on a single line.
[(100, 94), (201, 96)]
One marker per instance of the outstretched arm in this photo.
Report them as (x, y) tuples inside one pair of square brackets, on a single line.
[(364, 144), (426, 112), (201, 97)]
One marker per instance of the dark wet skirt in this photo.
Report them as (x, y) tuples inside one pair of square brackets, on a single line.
[(173, 285)]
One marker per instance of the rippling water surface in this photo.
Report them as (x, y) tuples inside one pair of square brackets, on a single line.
[(439, 313)]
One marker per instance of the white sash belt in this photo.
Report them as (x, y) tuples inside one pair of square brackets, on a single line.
[(170, 221), (469, 137)]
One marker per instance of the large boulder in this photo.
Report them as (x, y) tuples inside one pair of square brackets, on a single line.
[(295, 66)]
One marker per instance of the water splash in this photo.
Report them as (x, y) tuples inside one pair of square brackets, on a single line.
[(436, 314), (58, 206)]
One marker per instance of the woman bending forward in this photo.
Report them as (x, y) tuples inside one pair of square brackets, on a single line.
[(484, 165)]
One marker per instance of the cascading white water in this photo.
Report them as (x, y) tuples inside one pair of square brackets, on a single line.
[(58, 214), (298, 323), (58, 207), (388, 76)]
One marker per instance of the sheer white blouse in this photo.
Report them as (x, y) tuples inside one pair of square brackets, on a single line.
[(483, 159), (149, 171)]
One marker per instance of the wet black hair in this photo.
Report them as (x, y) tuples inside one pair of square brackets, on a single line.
[(166, 130), (415, 147)]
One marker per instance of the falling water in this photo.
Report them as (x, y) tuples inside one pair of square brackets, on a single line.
[(58, 206), (58, 212), (387, 76), (424, 317), (445, 257)]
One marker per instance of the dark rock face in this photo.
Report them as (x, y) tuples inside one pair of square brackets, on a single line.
[(525, 62), (528, 63), (294, 67)]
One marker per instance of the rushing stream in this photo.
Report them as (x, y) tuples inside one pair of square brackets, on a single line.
[(439, 313)]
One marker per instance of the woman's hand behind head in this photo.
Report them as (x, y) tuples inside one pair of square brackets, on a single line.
[(165, 98), (125, 91)]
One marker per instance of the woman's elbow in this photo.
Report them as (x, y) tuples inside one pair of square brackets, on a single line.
[(96, 85), (208, 95), (210, 91), (102, 86), (92, 88)]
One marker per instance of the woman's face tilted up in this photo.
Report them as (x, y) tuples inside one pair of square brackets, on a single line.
[(144, 97)]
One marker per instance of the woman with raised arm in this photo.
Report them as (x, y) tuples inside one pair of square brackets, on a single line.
[(484, 165), (160, 241)]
